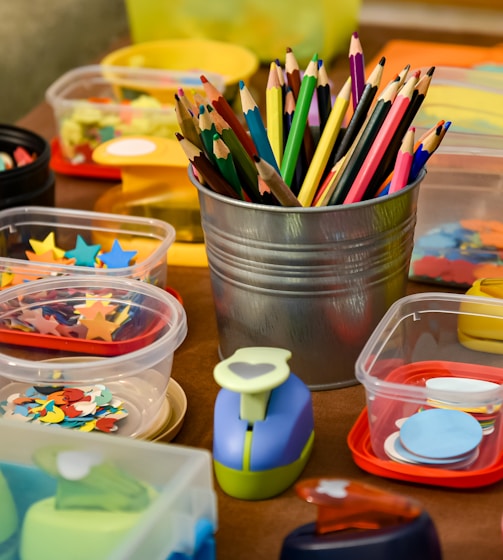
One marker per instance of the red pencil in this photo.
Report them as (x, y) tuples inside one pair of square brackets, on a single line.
[(222, 106), (381, 141), (403, 162)]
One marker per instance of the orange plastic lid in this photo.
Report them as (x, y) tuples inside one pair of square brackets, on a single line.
[(359, 443)]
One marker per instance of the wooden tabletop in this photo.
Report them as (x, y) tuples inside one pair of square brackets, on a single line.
[(468, 521)]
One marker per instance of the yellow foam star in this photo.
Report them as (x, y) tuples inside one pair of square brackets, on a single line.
[(99, 327), (48, 244)]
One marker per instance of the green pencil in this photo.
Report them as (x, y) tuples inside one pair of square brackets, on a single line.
[(225, 163), (299, 122), (206, 131), (245, 166)]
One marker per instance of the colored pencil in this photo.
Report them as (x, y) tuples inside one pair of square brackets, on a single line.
[(328, 186), (206, 131), (387, 162), (299, 123), (403, 162), (427, 147), (294, 80), (274, 112), (356, 68), (225, 163), (323, 95), (244, 164), (325, 145), (209, 175), (274, 181), (188, 123), (222, 106), (189, 105), (256, 125), (360, 114), (365, 173), (358, 151), (384, 188), (292, 71)]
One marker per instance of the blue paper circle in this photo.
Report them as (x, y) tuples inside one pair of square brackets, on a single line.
[(440, 433)]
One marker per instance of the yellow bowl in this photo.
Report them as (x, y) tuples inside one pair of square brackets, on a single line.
[(232, 62)]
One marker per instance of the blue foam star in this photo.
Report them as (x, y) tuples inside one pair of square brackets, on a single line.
[(117, 257), (84, 254)]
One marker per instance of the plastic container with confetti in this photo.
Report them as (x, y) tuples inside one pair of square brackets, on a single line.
[(38, 242), (89, 353)]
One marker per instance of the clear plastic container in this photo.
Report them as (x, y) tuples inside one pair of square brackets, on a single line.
[(111, 340), (458, 236), (427, 337), (180, 522), (146, 239), (96, 103)]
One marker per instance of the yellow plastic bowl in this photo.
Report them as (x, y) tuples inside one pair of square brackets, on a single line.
[(232, 62)]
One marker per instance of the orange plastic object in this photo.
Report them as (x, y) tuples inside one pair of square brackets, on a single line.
[(347, 504)]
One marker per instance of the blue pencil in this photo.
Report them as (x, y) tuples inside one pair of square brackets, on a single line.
[(256, 126)]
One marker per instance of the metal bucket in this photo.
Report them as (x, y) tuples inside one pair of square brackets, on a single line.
[(315, 281)]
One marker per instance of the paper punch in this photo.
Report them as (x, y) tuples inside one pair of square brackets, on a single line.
[(480, 325), (263, 424), (358, 522)]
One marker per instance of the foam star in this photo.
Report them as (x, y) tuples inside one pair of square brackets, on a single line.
[(48, 244), (99, 327), (117, 257), (42, 324), (90, 311), (84, 254), (48, 257)]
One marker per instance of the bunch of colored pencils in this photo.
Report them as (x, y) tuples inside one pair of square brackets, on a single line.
[(365, 145)]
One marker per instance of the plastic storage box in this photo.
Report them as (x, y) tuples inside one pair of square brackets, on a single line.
[(178, 524), (436, 355), (459, 232), (89, 353), (95, 103), (37, 242)]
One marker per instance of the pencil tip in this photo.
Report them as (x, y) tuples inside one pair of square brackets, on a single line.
[(288, 49), (204, 79), (430, 71), (382, 61), (178, 136), (355, 34)]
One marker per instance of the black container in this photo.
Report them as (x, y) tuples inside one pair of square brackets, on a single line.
[(31, 184)]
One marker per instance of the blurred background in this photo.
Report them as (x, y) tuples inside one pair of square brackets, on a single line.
[(41, 40)]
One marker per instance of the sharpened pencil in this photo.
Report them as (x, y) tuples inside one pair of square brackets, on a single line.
[(244, 164), (225, 163), (369, 166), (325, 145), (256, 125), (300, 121), (274, 112), (222, 106), (358, 151), (356, 68), (280, 190), (323, 95), (403, 162), (360, 114), (207, 172)]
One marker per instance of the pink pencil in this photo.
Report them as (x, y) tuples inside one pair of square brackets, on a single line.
[(381, 141), (403, 162)]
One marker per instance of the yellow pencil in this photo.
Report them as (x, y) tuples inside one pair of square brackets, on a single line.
[(274, 112), (325, 145)]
